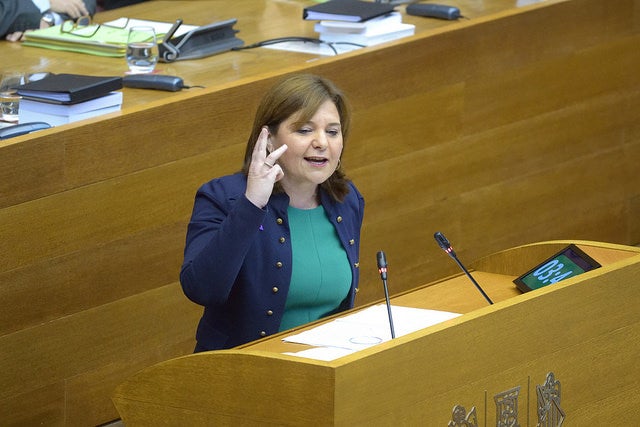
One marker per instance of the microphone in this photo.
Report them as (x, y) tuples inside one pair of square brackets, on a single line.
[(382, 269), (446, 246)]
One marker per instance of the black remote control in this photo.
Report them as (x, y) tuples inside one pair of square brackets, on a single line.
[(153, 81), (433, 10)]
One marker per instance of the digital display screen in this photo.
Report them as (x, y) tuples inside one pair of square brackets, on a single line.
[(569, 262)]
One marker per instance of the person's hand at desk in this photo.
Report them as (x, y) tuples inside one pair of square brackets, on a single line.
[(73, 9), (19, 16)]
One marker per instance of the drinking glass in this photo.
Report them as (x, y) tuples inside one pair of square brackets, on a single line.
[(9, 98), (142, 50)]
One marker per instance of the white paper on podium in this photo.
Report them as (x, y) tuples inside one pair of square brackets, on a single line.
[(364, 329)]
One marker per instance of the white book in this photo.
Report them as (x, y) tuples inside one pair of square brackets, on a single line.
[(113, 98), (400, 30), (57, 120), (386, 23), (59, 114)]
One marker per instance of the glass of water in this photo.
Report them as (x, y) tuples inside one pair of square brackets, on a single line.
[(142, 50), (9, 98)]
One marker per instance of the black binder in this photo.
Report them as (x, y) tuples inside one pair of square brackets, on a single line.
[(346, 10), (69, 88)]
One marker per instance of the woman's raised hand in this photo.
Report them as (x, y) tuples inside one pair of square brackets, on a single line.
[(264, 172)]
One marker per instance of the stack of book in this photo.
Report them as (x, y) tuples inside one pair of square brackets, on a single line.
[(357, 22), (64, 98), (368, 33), (60, 114)]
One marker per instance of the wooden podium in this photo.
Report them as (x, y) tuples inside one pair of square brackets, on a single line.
[(572, 346)]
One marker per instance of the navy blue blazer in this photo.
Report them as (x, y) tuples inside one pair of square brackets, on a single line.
[(237, 259)]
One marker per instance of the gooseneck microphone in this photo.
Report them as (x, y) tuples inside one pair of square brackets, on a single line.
[(446, 246), (382, 269)]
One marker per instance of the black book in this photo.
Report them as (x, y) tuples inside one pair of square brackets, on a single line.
[(69, 88), (346, 10)]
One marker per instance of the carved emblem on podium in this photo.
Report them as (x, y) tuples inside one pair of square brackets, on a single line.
[(460, 418), (550, 413), (507, 408)]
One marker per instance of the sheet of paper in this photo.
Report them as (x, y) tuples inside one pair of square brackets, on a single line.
[(313, 48), (368, 327), (160, 27)]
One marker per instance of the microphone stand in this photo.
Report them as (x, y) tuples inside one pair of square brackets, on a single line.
[(455, 258), (446, 246), (386, 296), (382, 269)]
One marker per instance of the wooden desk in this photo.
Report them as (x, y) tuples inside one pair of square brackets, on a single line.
[(517, 125), (581, 330)]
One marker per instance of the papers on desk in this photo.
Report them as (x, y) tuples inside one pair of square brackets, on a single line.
[(375, 31), (364, 329), (336, 37), (161, 28), (109, 40)]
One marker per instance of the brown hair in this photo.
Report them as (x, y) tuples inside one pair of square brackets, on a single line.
[(302, 94)]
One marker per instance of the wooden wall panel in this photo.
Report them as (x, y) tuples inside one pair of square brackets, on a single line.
[(83, 279), (104, 265), (84, 355), (221, 119), (42, 406), (30, 170)]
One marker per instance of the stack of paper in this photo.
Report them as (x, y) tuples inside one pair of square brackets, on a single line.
[(367, 33), (60, 114), (347, 25)]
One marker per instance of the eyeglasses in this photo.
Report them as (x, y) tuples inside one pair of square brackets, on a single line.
[(84, 26)]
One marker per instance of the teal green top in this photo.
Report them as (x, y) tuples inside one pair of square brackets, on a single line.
[(321, 275)]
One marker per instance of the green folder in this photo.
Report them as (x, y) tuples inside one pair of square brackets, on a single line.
[(107, 40)]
